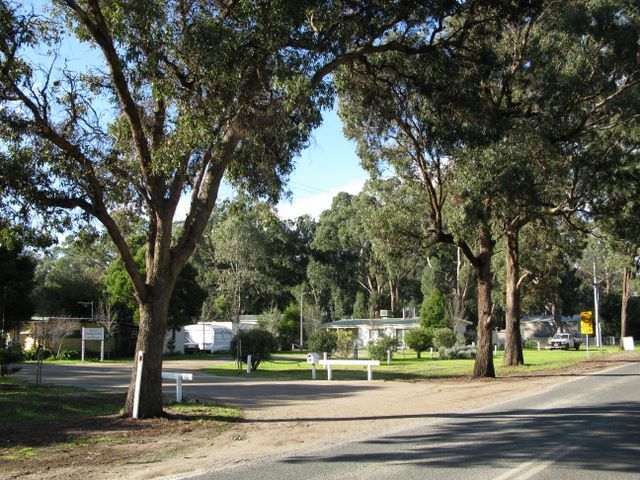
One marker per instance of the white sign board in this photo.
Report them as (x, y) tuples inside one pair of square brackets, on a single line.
[(93, 334), (627, 343)]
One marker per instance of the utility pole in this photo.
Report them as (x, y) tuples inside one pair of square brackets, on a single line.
[(595, 305), (301, 318)]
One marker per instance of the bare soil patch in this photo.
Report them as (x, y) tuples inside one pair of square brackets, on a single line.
[(113, 447)]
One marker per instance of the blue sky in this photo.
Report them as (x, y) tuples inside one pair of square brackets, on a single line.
[(327, 167)]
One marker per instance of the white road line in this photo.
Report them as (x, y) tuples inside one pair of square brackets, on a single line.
[(529, 469)]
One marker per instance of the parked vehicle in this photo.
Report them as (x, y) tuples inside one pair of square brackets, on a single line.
[(564, 341), (206, 337)]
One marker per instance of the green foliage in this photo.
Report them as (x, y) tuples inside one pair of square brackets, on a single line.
[(378, 349), (344, 347), (16, 283), (359, 306), (457, 352), (289, 328), (8, 357), (323, 341), (418, 340), (68, 355), (444, 337), (257, 342), (433, 310), (32, 354), (530, 344)]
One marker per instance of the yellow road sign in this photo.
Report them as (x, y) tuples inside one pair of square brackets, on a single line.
[(586, 323)]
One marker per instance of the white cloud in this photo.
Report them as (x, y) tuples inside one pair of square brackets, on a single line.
[(316, 203)]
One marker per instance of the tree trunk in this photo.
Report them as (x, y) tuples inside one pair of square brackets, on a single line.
[(513, 338), (556, 312), (626, 295), (153, 324), (484, 349)]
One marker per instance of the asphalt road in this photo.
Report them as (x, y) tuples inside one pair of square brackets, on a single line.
[(587, 429)]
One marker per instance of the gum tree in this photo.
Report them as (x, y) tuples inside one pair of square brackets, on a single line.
[(172, 95)]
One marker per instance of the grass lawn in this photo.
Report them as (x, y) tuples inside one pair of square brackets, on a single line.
[(24, 402), (406, 366)]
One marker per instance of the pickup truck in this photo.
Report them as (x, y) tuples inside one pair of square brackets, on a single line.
[(565, 341)]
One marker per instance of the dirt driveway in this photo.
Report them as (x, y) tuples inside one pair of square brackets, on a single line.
[(284, 417)]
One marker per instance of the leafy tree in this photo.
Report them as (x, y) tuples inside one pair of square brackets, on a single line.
[(359, 306), (16, 283), (418, 340), (323, 341), (191, 93), (433, 310), (344, 346), (256, 342), (378, 349), (459, 127), (444, 337)]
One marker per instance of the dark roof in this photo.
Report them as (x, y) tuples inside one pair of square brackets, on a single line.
[(375, 323)]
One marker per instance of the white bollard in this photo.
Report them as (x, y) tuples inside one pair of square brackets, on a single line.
[(248, 363), (136, 394), (431, 353), (324, 357), (388, 357)]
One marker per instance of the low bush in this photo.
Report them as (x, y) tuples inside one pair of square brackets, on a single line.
[(530, 344), (443, 337), (8, 357), (322, 341), (344, 346), (418, 340), (378, 349), (256, 342), (68, 355), (33, 354), (457, 352)]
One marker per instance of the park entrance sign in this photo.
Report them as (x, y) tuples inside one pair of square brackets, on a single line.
[(93, 334)]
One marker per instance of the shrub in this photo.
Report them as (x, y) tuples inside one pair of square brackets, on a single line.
[(69, 355), (443, 337), (33, 354), (345, 343), (8, 356), (418, 340), (457, 351), (256, 342), (323, 341), (378, 349), (530, 344)]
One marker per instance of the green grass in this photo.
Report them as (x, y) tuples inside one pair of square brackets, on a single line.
[(406, 366), (23, 403)]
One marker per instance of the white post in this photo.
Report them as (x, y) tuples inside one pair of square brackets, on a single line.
[(431, 353), (324, 357), (495, 349), (82, 347), (538, 345), (102, 348), (388, 357), (136, 395), (313, 371), (329, 377), (179, 389), (248, 363), (369, 372), (595, 304)]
